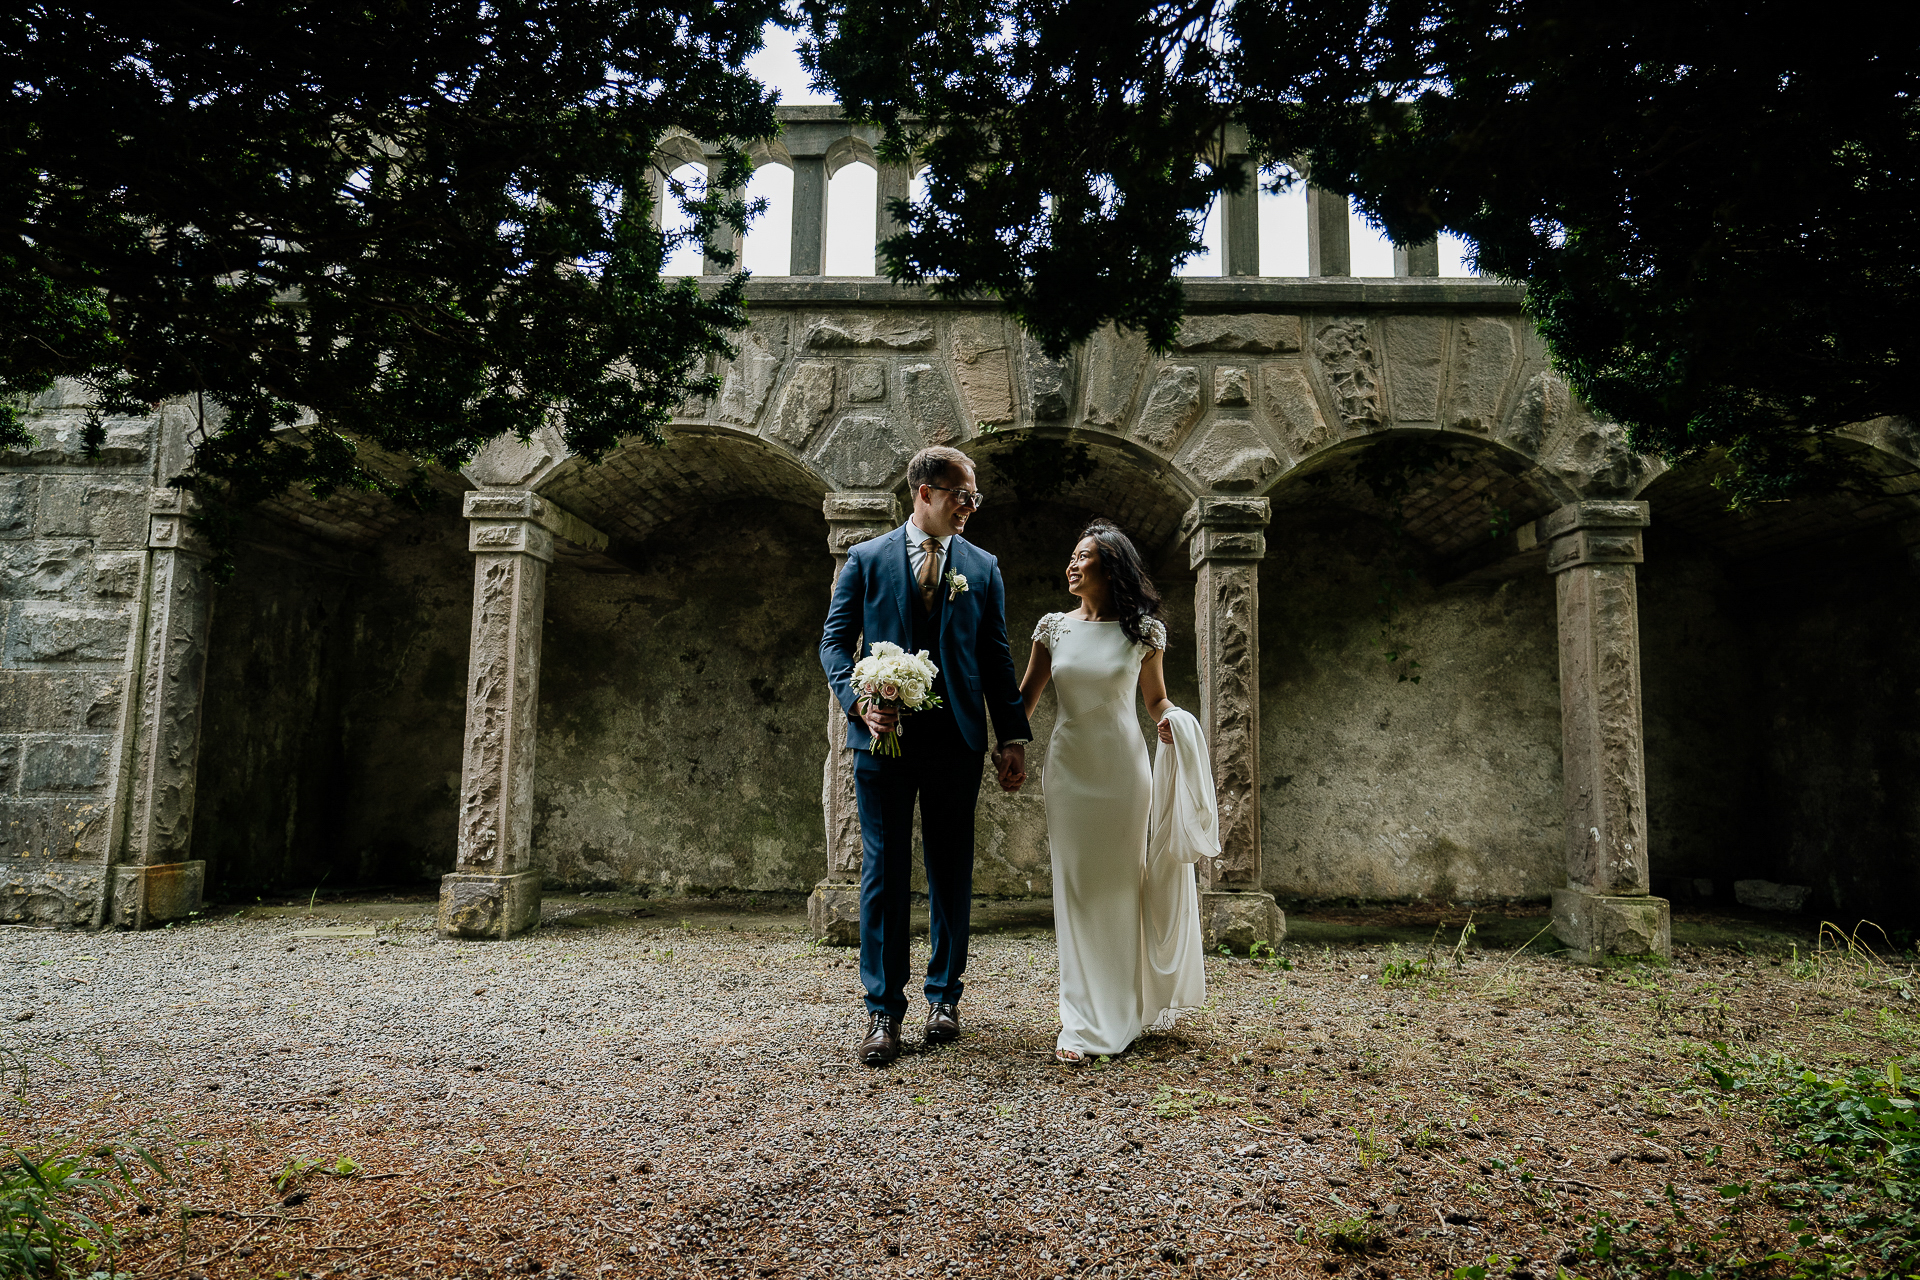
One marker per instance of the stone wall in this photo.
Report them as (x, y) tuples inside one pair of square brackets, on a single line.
[(73, 573), (1377, 787)]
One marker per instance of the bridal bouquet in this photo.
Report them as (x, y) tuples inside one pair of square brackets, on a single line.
[(895, 680)]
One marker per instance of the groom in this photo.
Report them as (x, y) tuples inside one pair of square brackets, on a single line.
[(924, 587)]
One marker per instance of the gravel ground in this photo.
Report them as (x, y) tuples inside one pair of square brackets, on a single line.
[(614, 1096)]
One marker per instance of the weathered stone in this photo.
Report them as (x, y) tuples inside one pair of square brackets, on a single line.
[(1294, 410), (144, 896), (864, 451), (1049, 382), (885, 330), (930, 404), (1415, 358), (1173, 405), (1232, 386), (499, 520), (1346, 358), (833, 913), (1259, 334), (50, 632), (168, 695), (9, 764), (1227, 640), (983, 367), (803, 405), (60, 440), (64, 827), (1601, 757), (42, 569), (1484, 352), (866, 381), (1116, 358), (38, 701), (17, 495), (483, 906), (64, 764), (116, 575), (748, 381), (1894, 434), (503, 693), (1232, 455), (63, 895), (508, 461), (115, 514), (1237, 920), (1597, 927), (1592, 457), (1765, 895)]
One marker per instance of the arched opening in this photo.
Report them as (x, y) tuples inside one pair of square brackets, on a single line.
[(1410, 722), (851, 218), (335, 699), (1782, 719), (686, 258), (1042, 491), (681, 697), (769, 243)]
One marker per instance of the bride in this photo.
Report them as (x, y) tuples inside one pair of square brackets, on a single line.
[(1128, 930)]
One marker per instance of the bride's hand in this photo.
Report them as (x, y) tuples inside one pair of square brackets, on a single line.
[(1166, 731)]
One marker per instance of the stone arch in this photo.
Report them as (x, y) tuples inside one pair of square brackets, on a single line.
[(1126, 483), (639, 488)]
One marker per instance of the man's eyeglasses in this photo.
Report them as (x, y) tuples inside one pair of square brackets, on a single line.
[(965, 497)]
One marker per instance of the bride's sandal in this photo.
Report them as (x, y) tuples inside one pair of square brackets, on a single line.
[(1067, 1056)]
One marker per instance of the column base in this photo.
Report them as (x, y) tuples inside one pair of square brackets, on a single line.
[(475, 905), (1238, 920), (147, 896), (1596, 928), (833, 913)]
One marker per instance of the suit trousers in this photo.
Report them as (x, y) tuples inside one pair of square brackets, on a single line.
[(943, 773)]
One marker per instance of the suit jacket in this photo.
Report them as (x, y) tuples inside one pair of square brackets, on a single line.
[(874, 600)]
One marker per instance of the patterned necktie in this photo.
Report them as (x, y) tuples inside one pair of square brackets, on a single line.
[(929, 573)]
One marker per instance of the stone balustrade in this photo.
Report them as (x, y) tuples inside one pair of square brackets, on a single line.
[(817, 142)]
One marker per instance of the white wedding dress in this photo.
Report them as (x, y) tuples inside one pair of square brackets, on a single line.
[(1130, 956)]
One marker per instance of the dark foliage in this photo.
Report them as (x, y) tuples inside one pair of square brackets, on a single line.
[(431, 223), (1713, 204)]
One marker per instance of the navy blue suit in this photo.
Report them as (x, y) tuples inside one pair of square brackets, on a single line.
[(877, 599)]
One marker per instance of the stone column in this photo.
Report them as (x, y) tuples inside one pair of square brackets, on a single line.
[(808, 236), (1605, 909), (154, 881), (894, 182), (1225, 546), (1329, 248), (1417, 260), (833, 910), (493, 891)]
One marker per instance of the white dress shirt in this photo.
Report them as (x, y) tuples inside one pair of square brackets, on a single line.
[(917, 555)]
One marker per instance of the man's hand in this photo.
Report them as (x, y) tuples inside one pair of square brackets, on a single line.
[(1010, 762), (879, 720)]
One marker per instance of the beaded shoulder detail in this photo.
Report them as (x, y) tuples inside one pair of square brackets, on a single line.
[(1156, 633), (1048, 632)]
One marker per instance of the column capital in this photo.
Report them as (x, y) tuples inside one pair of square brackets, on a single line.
[(170, 515), (1226, 529), (501, 506), (855, 515), (1594, 532)]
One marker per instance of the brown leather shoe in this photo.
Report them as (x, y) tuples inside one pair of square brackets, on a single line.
[(882, 1044), (943, 1024)]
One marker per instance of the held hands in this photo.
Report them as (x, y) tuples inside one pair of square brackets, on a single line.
[(1010, 763)]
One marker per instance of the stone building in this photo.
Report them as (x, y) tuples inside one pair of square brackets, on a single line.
[(599, 676)]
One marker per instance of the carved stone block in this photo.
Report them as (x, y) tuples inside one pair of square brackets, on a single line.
[(833, 913), (983, 367), (1602, 765), (930, 403), (749, 379), (47, 632), (480, 906), (1049, 383), (1237, 920), (864, 451), (866, 382), (803, 405), (1599, 927), (1232, 454), (63, 895), (883, 330), (1228, 659), (1294, 410), (1115, 360), (1345, 353), (1416, 358), (144, 896), (1253, 333), (1172, 406)]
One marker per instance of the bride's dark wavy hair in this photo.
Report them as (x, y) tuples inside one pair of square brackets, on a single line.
[(1134, 597)]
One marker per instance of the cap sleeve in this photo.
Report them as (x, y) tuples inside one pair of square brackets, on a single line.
[(1156, 631), (1048, 632)]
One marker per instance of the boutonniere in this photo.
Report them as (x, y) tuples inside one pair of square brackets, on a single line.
[(956, 585)]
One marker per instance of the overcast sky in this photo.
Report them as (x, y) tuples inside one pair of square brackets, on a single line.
[(850, 208)]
